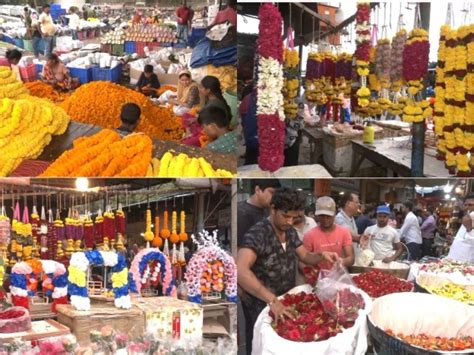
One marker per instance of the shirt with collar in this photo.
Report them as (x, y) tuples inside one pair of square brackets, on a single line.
[(410, 230), (344, 220)]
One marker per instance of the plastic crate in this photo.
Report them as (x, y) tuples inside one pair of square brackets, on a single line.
[(80, 35), (84, 75), (38, 69), (117, 49), (28, 73), (113, 75), (18, 42), (106, 48), (130, 47), (140, 48)]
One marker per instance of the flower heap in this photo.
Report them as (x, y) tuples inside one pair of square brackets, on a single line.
[(270, 113), (415, 68), (25, 277), (45, 91), (209, 251), (382, 69), (396, 72), (141, 272), (291, 82), (104, 154), (78, 266), (27, 123), (362, 53), (314, 85)]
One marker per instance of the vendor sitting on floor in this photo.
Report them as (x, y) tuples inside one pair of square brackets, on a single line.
[(12, 57), (215, 123), (148, 83), (56, 74), (187, 96), (210, 89), (130, 117)]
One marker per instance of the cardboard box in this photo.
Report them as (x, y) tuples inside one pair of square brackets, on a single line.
[(41, 329), (129, 321)]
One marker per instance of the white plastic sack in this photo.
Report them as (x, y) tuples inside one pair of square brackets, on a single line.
[(352, 341), (412, 313)]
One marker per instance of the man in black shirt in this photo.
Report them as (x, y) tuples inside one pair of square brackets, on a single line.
[(130, 117), (268, 256), (148, 84), (255, 208)]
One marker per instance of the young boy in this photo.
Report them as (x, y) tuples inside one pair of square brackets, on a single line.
[(148, 83), (215, 123), (130, 117)]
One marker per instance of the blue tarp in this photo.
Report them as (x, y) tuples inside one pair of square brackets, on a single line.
[(204, 54)]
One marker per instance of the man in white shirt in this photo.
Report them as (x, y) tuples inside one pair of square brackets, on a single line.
[(462, 248), (410, 232), (349, 204), (48, 29), (383, 240), (74, 22)]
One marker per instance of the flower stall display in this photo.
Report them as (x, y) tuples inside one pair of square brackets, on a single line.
[(14, 320), (404, 322), (458, 272), (312, 330), (26, 275), (291, 82), (100, 103), (210, 267), (27, 123), (270, 110), (441, 286), (362, 52), (377, 283), (151, 33), (78, 269), (151, 266), (104, 154), (182, 165)]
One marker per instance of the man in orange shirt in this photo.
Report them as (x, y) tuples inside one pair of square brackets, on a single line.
[(328, 236), (228, 14)]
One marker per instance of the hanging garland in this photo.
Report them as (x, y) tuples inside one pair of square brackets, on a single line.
[(291, 82), (22, 239), (157, 241), (362, 52), (99, 230), (314, 84), (469, 113), (183, 237), (60, 235), (88, 233), (109, 229), (78, 266), (440, 92), (270, 119), (148, 235), (5, 235), (120, 228)]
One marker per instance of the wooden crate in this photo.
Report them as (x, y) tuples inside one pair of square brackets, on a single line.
[(129, 321)]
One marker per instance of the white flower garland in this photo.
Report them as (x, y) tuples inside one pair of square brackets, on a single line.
[(269, 86)]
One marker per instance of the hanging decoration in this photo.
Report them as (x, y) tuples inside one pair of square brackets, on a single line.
[(60, 235), (148, 235), (165, 233), (43, 235), (99, 230), (183, 237), (78, 268), (362, 52), (88, 232), (314, 85), (35, 229), (22, 239), (5, 234), (291, 81), (396, 68), (440, 122), (69, 226), (270, 110), (157, 240), (140, 271), (109, 229), (209, 251), (416, 59), (52, 238), (25, 276), (174, 238), (120, 228)]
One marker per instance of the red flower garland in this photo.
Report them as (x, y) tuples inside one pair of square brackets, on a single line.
[(271, 130), (415, 60)]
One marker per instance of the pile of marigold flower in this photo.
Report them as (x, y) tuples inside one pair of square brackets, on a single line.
[(104, 154), (41, 89), (100, 103)]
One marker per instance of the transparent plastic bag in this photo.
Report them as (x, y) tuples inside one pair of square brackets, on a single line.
[(339, 295)]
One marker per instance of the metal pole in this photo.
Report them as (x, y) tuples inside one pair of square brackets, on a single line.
[(418, 128), (233, 231), (200, 214)]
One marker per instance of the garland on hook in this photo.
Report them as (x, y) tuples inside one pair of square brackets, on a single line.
[(362, 52)]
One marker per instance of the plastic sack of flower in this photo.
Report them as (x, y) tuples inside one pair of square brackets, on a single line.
[(15, 319), (339, 295), (364, 254)]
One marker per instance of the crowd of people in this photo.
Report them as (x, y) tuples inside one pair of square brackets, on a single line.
[(278, 236)]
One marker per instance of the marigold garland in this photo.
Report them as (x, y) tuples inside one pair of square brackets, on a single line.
[(104, 154), (10, 87), (291, 82), (362, 53), (100, 103)]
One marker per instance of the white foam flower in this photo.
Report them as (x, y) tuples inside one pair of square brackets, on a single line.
[(49, 266), (60, 292), (81, 303), (17, 291), (269, 86), (123, 302), (110, 258), (80, 261)]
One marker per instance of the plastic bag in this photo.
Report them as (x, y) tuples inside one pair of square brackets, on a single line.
[(338, 294), (14, 319)]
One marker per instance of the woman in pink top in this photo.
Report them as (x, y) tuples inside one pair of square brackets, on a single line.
[(328, 236), (12, 57)]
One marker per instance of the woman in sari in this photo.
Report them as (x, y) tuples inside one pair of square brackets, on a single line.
[(56, 74), (186, 97)]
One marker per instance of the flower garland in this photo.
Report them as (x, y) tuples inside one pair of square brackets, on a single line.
[(291, 82), (78, 266), (163, 268), (362, 52), (209, 251), (120, 227), (109, 229), (271, 127), (25, 275), (396, 68), (88, 233), (469, 96), (157, 241), (22, 239), (440, 91), (183, 237), (10, 87), (60, 236), (148, 235), (5, 234)]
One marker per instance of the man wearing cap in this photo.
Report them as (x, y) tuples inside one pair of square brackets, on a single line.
[(328, 236), (268, 256), (383, 239)]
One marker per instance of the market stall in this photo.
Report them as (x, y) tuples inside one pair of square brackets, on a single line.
[(113, 263)]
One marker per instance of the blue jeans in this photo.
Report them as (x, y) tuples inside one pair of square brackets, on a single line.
[(74, 35), (36, 43), (182, 33), (415, 251), (48, 45)]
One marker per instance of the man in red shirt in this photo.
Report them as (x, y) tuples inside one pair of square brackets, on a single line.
[(185, 16), (328, 236), (228, 14)]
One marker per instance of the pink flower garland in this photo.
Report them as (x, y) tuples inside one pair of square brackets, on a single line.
[(271, 130)]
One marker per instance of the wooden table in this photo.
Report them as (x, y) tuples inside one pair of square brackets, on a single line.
[(315, 138), (299, 171), (395, 155)]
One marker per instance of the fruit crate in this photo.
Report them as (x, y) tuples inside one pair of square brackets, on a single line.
[(107, 74), (117, 50), (28, 73), (84, 75), (130, 47)]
